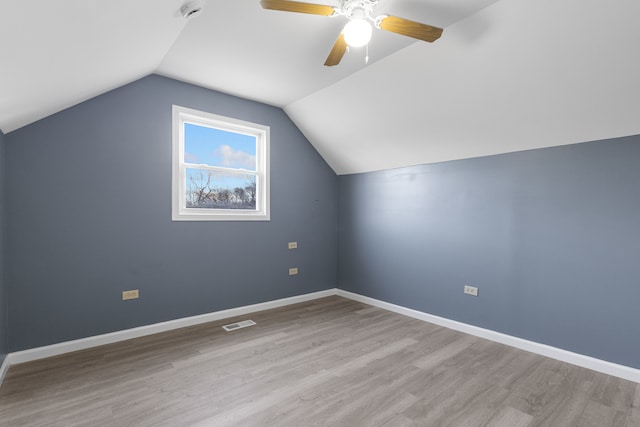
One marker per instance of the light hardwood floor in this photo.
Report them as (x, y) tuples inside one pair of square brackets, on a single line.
[(328, 362)]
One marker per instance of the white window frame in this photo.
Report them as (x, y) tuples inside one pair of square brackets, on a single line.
[(180, 212)]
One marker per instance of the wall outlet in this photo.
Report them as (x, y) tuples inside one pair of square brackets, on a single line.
[(293, 245), (471, 290), (293, 271), (132, 294)]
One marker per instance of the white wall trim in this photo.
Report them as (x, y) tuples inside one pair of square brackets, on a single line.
[(609, 368), (4, 368), (621, 371), (97, 340)]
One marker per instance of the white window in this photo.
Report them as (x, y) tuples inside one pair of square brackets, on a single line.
[(220, 168)]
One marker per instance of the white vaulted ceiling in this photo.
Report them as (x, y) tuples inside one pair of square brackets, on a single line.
[(57, 53), (506, 75)]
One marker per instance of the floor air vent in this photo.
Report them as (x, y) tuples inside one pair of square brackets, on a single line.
[(239, 325)]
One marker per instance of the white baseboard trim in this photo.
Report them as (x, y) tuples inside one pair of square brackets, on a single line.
[(620, 371), (97, 340), (4, 368)]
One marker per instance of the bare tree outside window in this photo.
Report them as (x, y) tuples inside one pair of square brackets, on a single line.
[(204, 190)]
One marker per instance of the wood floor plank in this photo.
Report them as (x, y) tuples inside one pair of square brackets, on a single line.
[(327, 362), (438, 356), (633, 414), (510, 417), (598, 414)]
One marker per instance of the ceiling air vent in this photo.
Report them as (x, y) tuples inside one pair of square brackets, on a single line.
[(191, 9)]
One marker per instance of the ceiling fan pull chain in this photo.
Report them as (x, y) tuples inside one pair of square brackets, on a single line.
[(366, 58)]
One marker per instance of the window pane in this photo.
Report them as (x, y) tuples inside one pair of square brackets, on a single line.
[(216, 147), (219, 190)]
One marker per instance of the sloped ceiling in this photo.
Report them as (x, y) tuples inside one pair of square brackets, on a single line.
[(55, 54), (518, 75), (507, 75)]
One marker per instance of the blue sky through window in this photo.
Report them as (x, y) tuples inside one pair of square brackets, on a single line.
[(216, 147)]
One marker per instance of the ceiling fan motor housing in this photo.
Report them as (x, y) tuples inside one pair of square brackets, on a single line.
[(354, 9)]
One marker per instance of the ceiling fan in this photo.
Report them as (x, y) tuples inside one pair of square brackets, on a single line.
[(358, 30)]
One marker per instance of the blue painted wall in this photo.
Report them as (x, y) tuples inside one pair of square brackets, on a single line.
[(551, 237), (89, 208), (3, 290)]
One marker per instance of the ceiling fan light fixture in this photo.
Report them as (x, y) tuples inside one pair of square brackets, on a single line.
[(357, 32)]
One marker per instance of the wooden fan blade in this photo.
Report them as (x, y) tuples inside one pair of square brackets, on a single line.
[(410, 28), (337, 52), (300, 7)]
